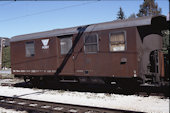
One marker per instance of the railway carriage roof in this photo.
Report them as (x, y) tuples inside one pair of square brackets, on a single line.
[(142, 21)]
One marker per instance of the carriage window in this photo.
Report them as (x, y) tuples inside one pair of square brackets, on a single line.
[(30, 50), (65, 45), (117, 41), (91, 43)]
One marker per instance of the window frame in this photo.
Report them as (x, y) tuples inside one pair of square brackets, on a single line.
[(26, 49), (91, 43), (65, 37), (125, 39)]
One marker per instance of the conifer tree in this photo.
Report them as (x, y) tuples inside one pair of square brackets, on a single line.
[(149, 8), (120, 14)]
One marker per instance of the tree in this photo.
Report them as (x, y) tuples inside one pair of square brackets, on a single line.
[(120, 14), (133, 15), (166, 39), (149, 8), (6, 62)]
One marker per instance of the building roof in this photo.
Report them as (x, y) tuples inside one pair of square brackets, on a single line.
[(141, 21)]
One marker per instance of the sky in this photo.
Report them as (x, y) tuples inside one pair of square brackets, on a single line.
[(23, 17)]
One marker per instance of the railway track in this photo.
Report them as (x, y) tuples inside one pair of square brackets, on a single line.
[(51, 107)]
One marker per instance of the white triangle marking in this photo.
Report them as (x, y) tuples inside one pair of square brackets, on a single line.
[(45, 42)]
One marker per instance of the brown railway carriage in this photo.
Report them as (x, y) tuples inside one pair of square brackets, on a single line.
[(110, 50)]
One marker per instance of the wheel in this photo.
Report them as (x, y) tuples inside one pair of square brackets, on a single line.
[(26, 79), (35, 81)]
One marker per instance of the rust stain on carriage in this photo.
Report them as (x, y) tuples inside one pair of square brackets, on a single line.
[(161, 64)]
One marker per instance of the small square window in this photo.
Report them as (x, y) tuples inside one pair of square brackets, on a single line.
[(91, 43), (30, 50), (117, 41)]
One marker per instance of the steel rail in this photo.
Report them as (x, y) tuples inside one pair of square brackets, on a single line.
[(51, 107)]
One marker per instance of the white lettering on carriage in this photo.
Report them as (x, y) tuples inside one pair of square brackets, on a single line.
[(34, 71)]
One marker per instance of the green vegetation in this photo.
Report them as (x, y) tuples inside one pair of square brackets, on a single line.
[(6, 61), (166, 35), (149, 8), (120, 14)]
